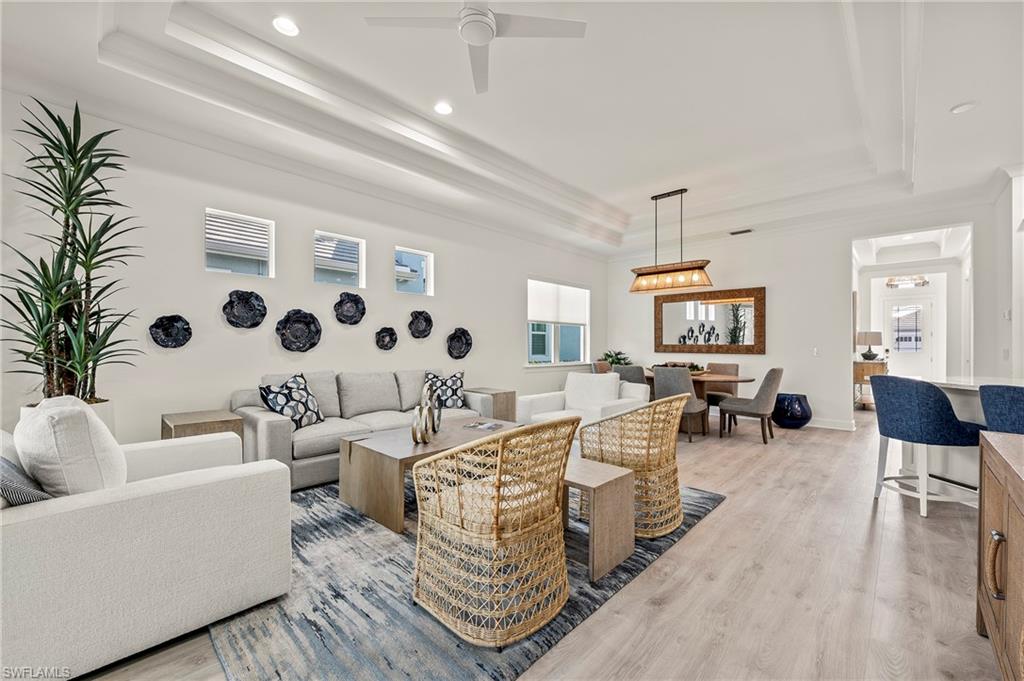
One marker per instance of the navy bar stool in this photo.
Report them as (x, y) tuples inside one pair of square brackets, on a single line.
[(1004, 408), (919, 413)]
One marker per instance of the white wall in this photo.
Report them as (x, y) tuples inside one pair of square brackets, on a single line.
[(480, 283), (807, 277)]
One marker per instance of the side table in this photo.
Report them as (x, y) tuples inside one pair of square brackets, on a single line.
[(503, 402), (188, 423)]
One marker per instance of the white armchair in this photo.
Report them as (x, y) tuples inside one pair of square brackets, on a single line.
[(193, 537), (592, 397)]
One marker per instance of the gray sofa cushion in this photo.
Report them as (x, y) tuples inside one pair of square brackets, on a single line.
[(410, 384), (324, 437), (385, 420), (321, 384), (362, 393), (250, 397)]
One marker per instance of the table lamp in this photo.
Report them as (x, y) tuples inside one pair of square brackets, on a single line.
[(869, 338)]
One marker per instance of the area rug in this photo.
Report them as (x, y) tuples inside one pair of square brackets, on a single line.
[(349, 614)]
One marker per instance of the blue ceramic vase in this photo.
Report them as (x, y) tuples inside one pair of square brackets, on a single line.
[(791, 411)]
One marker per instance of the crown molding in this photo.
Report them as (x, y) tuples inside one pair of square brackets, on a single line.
[(118, 114), (889, 210)]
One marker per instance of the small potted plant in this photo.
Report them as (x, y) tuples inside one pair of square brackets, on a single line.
[(616, 358)]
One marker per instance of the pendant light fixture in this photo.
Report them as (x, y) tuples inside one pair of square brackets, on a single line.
[(676, 276)]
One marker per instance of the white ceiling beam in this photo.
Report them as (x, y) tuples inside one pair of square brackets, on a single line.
[(855, 64), (911, 44)]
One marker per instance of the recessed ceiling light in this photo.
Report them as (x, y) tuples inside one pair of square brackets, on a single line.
[(286, 26), (443, 108), (963, 107)]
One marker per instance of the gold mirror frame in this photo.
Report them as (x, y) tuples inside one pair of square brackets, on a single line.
[(758, 347)]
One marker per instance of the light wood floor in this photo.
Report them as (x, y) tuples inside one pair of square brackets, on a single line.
[(800, 574)]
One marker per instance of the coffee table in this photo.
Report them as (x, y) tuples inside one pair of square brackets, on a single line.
[(371, 468)]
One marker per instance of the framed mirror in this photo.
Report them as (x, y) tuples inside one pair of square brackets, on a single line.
[(720, 322)]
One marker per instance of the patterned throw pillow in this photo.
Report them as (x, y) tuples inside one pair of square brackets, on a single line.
[(294, 400), (448, 390), (16, 487)]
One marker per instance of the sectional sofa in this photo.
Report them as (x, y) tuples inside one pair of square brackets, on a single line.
[(353, 404)]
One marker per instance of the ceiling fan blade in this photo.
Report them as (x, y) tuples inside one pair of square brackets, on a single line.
[(478, 59), (413, 22), (522, 26)]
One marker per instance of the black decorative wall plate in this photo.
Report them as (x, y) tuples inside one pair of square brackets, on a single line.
[(298, 330), (387, 338), (420, 324), (350, 308), (170, 331), (244, 309), (459, 343)]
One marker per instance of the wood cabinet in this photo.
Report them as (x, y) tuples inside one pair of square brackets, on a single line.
[(1001, 550), (862, 373)]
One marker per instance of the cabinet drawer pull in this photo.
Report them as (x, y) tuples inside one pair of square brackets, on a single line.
[(995, 539)]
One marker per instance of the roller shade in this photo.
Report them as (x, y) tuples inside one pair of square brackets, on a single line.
[(335, 252), (557, 303), (238, 235)]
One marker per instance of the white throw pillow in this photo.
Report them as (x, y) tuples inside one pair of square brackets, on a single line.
[(583, 391), (67, 449)]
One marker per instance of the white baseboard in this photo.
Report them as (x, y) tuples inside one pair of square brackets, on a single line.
[(832, 424)]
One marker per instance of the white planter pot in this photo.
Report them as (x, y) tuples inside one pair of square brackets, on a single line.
[(105, 410)]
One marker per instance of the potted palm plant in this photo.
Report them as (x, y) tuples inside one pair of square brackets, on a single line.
[(62, 326)]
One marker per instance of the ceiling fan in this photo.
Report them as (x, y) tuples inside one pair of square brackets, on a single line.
[(477, 26)]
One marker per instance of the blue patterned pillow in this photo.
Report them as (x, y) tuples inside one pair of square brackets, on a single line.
[(16, 487), (294, 400)]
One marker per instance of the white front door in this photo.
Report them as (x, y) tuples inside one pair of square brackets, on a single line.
[(909, 336)]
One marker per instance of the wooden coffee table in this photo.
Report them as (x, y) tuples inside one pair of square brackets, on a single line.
[(371, 468)]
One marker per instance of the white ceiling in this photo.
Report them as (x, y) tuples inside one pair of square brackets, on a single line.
[(765, 111), (952, 242)]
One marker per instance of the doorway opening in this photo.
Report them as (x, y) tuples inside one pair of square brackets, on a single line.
[(913, 297)]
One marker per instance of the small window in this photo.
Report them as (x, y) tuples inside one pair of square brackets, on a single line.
[(414, 271), (907, 335), (239, 244), (339, 259), (558, 318)]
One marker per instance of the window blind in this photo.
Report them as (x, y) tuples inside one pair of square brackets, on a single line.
[(334, 252), (547, 302), (238, 235)]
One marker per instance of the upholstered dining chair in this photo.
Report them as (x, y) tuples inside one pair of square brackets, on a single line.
[(631, 373), (716, 392), (644, 440), (759, 406), (669, 381), (920, 413), (1004, 408), (490, 554), (600, 367)]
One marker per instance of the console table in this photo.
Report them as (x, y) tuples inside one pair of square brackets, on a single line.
[(188, 423)]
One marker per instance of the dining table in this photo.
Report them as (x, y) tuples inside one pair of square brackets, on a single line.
[(700, 381)]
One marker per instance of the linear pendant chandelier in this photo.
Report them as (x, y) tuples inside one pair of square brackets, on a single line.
[(676, 276)]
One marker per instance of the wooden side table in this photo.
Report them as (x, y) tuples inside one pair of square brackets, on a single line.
[(504, 402), (188, 423), (612, 523)]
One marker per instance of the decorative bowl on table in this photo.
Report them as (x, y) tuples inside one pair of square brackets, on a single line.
[(791, 411)]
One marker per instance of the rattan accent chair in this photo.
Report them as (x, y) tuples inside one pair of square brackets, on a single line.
[(644, 440), (490, 553)]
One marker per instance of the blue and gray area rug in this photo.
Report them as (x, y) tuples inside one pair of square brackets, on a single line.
[(349, 614)]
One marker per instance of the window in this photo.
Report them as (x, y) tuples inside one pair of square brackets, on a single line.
[(557, 324), (338, 259), (414, 271), (906, 328), (239, 244)]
